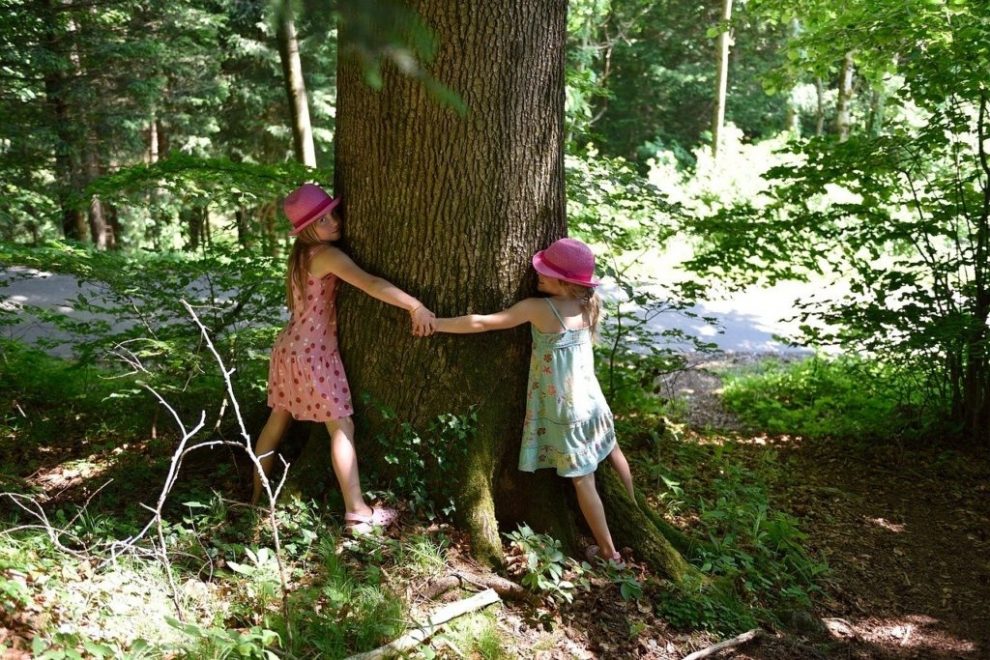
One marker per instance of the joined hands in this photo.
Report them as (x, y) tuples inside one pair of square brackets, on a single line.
[(424, 322)]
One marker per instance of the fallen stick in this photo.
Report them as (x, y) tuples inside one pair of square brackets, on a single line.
[(727, 644), (416, 637)]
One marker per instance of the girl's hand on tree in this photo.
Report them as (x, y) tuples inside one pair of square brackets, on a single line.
[(424, 322)]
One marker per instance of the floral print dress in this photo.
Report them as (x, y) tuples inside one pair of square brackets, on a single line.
[(305, 374), (568, 424)]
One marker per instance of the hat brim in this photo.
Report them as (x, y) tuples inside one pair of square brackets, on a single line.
[(543, 268), (334, 202)]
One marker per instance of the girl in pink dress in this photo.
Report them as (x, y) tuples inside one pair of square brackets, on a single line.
[(306, 379)]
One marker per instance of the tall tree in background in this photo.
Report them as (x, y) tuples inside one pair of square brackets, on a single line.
[(295, 86), (843, 121), (722, 74)]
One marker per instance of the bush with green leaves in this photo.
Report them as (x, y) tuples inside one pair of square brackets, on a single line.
[(214, 642), (238, 297), (629, 221), (419, 463), (899, 212)]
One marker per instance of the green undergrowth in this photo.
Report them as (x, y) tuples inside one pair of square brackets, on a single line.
[(227, 603), (844, 397), (129, 314), (68, 589), (718, 491)]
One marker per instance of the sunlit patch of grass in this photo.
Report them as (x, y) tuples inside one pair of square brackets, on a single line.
[(424, 555), (474, 635)]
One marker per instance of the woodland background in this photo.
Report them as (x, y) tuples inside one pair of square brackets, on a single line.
[(145, 149)]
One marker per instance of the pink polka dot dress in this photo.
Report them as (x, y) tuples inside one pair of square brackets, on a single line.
[(305, 375)]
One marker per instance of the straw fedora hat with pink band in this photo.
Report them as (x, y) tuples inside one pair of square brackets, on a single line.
[(567, 259), (307, 204)]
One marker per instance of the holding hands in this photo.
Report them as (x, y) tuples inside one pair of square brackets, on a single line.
[(424, 322)]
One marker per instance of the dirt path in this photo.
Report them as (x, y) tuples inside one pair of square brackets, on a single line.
[(905, 532)]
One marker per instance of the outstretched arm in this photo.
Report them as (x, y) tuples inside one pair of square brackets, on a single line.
[(521, 312), (333, 260)]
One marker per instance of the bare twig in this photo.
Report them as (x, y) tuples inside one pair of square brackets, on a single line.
[(727, 644)]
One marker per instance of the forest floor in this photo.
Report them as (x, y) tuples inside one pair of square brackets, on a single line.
[(903, 529)]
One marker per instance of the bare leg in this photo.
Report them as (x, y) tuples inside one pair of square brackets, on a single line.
[(594, 513), (268, 441), (621, 465), (345, 464)]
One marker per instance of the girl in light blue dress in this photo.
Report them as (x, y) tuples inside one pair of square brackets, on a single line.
[(568, 425)]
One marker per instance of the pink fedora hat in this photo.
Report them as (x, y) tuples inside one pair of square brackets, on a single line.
[(306, 204), (567, 259)]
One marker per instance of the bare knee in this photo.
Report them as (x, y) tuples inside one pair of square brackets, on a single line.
[(584, 481), (345, 424)]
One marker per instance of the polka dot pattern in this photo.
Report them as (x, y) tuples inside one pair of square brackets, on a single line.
[(314, 386)]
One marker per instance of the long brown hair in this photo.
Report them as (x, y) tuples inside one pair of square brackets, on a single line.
[(590, 301), (299, 262)]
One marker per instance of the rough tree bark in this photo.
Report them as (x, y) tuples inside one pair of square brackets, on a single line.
[(451, 208)]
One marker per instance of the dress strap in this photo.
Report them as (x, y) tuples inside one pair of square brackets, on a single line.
[(556, 313)]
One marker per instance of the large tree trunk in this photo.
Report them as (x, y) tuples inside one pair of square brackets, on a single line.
[(722, 77), (451, 209), (295, 86)]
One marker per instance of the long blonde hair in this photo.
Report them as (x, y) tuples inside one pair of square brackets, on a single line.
[(588, 298), (299, 262)]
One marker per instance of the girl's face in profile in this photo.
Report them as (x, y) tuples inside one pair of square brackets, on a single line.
[(546, 284), (328, 228)]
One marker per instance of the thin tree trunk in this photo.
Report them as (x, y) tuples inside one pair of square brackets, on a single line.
[(97, 219), (152, 154), (115, 236), (245, 237), (820, 109), (67, 161), (793, 121), (722, 77), (878, 102), (842, 118), (295, 86)]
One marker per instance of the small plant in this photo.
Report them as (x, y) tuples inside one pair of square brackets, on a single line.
[(543, 564), (624, 578), (473, 636), (420, 464), (213, 642), (758, 549)]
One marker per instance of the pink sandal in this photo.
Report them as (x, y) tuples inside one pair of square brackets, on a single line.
[(592, 553), (361, 524)]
